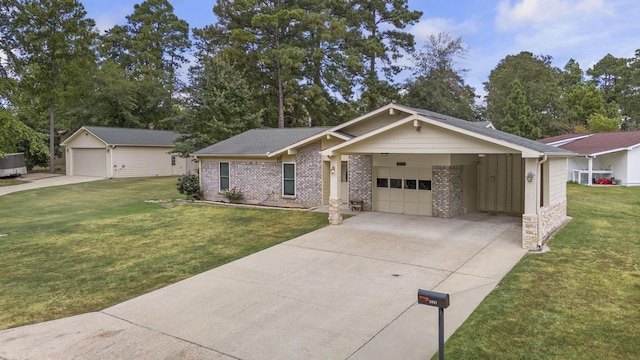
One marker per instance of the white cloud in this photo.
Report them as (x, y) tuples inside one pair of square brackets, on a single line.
[(432, 26), (105, 20), (539, 13)]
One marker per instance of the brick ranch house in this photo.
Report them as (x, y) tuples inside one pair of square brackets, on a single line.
[(396, 159)]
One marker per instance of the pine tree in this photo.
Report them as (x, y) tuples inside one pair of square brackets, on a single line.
[(518, 118), (54, 41)]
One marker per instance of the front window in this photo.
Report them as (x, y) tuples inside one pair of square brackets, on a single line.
[(224, 176), (344, 172), (288, 179)]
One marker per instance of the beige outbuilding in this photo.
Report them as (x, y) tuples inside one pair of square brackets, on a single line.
[(121, 153)]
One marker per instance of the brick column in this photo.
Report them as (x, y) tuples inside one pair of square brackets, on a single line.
[(446, 189), (360, 180)]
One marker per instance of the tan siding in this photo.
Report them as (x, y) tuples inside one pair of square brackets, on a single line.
[(326, 168), (500, 183), (373, 123), (333, 141), (85, 140), (141, 162), (405, 139), (183, 166), (557, 181), (412, 160)]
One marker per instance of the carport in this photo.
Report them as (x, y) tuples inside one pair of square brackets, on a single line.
[(412, 161)]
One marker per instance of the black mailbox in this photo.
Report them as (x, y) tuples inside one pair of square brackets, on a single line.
[(433, 298)]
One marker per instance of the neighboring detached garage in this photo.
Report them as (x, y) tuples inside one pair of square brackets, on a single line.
[(119, 153)]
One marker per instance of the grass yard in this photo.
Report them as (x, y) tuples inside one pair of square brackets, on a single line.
[(581, 300), (79, 248), (7, 181)]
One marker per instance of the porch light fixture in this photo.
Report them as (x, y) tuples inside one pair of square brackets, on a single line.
[(530, 176), (333, 170)]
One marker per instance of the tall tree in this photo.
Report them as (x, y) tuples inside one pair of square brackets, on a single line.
[(571, 76), (630, 101), (438, 86), (53, 40), (540, 85), (376, 35), (607, 75), (151, 48), (583, 101), (217, 106), (518, 117)]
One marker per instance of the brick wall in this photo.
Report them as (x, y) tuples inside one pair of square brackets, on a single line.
[(261, 181), (551, 218), (360, 179), (447, 191)]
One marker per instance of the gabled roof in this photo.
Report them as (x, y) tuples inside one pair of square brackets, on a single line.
[(128, 137), (262, 142), (481, 129), (270, 142), (603, 143), (565, 138)]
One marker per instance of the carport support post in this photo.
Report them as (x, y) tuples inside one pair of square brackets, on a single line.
[(335, 203)]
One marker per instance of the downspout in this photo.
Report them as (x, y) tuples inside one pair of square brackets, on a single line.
[(111, 162), (538, 197)]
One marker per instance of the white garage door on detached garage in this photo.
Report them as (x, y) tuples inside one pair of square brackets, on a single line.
[(90, 162)]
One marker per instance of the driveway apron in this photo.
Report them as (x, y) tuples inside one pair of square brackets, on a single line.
[(341, 292)]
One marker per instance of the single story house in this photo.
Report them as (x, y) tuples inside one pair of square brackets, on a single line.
[(396, 159), (608, 155), (120, 153)]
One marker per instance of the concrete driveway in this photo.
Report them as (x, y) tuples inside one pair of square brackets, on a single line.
[(39, 180), (342, 292)]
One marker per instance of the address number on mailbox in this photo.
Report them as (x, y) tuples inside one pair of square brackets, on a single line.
[(433, 298)]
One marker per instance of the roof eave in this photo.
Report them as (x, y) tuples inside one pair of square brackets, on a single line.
[(77, 133), (329, 151), (230, 155), (306, 141), (372, 113)]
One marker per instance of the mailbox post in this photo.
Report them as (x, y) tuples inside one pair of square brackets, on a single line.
[(440, 300)]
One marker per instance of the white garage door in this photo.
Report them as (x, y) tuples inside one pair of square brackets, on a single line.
[(403, 190), (90, 162)]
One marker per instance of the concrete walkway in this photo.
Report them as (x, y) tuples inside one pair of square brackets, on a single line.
[(341, 292), (40, 180)]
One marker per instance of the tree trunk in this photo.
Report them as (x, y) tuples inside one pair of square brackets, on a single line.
[(280, 99), (52, 154)]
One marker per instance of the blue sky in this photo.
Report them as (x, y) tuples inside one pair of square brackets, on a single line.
[(585, 30)]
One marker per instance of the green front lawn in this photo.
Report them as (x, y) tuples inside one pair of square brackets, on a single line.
[(8, 181), (79, 248), (581, 300)]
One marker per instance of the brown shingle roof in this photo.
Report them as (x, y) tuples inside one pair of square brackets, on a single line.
[(604, 142), (553, 139)]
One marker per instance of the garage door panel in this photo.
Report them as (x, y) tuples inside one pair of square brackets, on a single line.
[(396, 207), (89, 162), (401, 193)]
